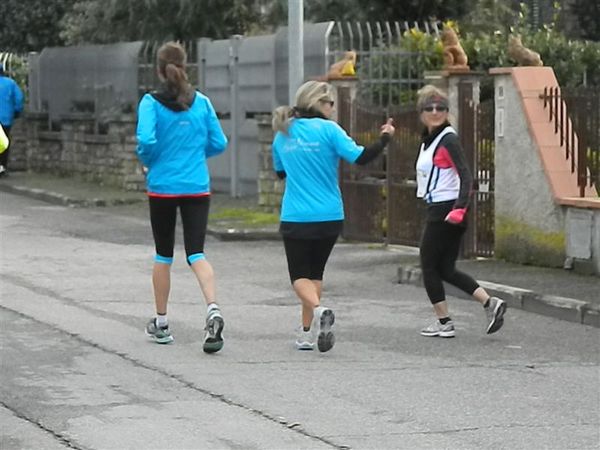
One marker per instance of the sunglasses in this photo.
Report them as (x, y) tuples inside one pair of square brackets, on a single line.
[(436, 108)]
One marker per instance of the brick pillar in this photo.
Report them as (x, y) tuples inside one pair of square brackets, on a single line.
[(345, 94), (457, 80)]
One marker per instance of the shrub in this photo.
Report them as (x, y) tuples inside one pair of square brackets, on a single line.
[(574, 62), (396, 72)]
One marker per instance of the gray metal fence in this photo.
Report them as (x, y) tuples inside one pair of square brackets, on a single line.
[(15, 66), (243, 77), (147, 75), (97, 79), (8, 59)]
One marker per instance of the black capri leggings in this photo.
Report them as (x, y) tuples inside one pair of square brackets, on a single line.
[(194, 218), (306, 258), (439, 249)]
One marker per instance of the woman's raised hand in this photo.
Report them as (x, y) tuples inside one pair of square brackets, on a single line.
[(388, 127)]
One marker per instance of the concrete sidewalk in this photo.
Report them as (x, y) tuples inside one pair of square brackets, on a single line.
[(553, 292), (225, 222)]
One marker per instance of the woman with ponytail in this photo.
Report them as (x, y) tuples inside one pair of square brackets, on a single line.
[(307, 150), (177, 131)]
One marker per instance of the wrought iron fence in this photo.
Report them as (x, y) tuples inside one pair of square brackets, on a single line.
[(406, 213), (363, 187), (477, 135), (8, 61), (15, 66), (379, 198), (389, 75), (575, 113)]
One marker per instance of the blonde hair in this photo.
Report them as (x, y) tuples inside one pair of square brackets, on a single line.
[(309, 97), (426, 93)]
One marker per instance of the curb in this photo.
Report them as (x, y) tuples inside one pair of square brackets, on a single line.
[(563, 308), (64, 200), (223, 234), (237, 234)]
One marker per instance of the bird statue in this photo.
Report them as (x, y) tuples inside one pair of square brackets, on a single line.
[(344, 68)]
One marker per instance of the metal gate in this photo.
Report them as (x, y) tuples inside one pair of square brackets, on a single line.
[(406, 213), (476, 125), (363, 187), (379, 198)]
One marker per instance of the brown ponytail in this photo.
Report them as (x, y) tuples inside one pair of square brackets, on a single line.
[(171, 61)]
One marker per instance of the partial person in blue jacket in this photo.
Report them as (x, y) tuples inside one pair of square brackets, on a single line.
[(177, 131), (11, 106), (307, 149)]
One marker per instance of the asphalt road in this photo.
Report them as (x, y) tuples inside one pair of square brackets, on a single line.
[(78, 372)]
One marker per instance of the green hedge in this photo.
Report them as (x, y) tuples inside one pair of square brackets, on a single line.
[(575, 62)]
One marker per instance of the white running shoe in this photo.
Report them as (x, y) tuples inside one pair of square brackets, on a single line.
[(161, 335), (322, 327), (213, 341), (437, 329), (305, 340), (495, 314)]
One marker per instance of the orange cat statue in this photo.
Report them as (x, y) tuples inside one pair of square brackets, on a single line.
[(454, 55), (521, 54)]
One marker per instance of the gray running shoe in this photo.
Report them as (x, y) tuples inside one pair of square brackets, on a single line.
[(213, 341), (437, 329), (495, 314), (322, 328), (160, 335), (305, 340)]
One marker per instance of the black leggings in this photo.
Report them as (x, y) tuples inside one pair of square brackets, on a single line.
[(194, 218), (306, 258), (439, 249)]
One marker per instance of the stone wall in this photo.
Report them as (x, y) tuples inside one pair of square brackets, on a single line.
[(104, 154), (270, 188)]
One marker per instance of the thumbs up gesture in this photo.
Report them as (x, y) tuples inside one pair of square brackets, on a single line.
[(388, 127)]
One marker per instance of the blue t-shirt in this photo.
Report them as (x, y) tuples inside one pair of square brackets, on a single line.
[(310, 154)]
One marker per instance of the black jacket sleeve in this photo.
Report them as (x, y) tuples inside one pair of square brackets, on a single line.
[(372, 151), (452, 144)]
